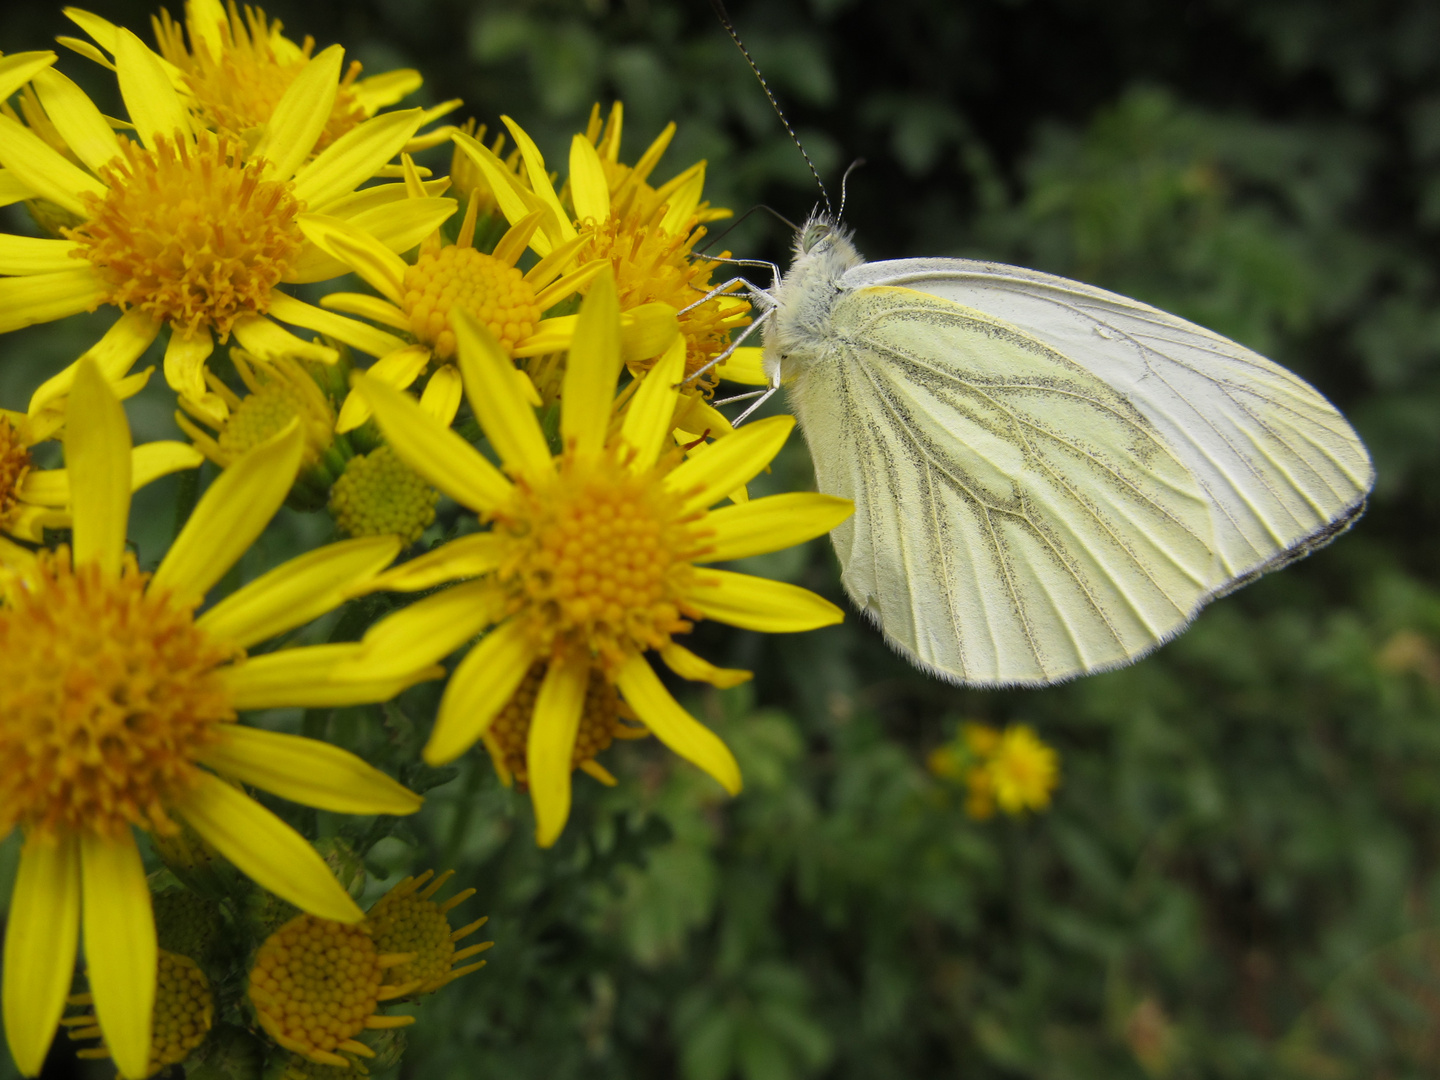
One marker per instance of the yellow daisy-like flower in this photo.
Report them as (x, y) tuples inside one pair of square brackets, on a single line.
[(408, 920), (236, 69), (1022, 770), (422, 299), (596, 556), (117, 712), (198, 230)]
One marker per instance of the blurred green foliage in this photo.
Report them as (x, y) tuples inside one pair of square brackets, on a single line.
[(1239, 875)]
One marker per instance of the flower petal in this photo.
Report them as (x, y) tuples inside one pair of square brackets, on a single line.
[(155, 108), (97, 457), (507, 418), (551, 743), (264, 339), (651, 157), (357, 335), (369, 307), (435, 452), (42, 298), (44, 171), (426, 631), (772, 523), (299, 590), (265, 849), (746, 366), (185, 358), (683, 194), (355, 157), (589, 190), (673, 726), (464, 557), (651, 415), (120, 950), (376, 92), (515, 201), (687, 665), (723, 466), (307, 771), (82, 126), (115, 353), (478, 689), (19, 68), (41, 935), (377, 265), (152, 460), (539, 177), (306, 677), (753, 603), (233, 511), (442, 394), (593, 366), (301, 115), (35, 254)]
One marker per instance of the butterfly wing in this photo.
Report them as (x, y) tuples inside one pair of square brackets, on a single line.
[(1017, 520), (1282, 470)]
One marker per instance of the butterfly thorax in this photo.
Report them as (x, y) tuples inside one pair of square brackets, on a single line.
[(798, 334)]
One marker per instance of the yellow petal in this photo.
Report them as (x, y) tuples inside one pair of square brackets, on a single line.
[(651, 157), (152, 460), (441, 396), (12, 190), (185, 358), (306, 677), (772, 523), (41, 935), (752, 603), (233, 511), (379, 195), (464, 557), (357, 335), (517, 238), (687, 665), (154, 107), (435, 452), (301, 115), (120, 950), (101, 29), (745, 366), (507, 418), (19, 68), (381, 268), (589, 190), (710, 475), (551, 743), (82, 126), (376, 92), (115, 353), (34, 254), (355, 157), (673, 726), (307, 771), (97, 457), (263, 339), (43, 170), (265, 849), (683, 198), (593, 366), (479, 688), (207, 24), (650, 417), (647, 330), (515, 202), (368, 307), (539, 178), (42, 298), (299, 590), (426, 631), (570, 284)]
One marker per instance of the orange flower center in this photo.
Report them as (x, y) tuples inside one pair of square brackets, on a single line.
[(14, 465), (597, 560), (452, 277), (108, 695), (509, 733), (190, 232)]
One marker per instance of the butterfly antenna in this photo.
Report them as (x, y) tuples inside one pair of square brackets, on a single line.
[(724, 17), (845, 180), (758, 207)]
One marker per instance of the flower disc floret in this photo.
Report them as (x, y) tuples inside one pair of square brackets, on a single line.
[(408, 919), (190, 233), (494, 292), (110, 695), (183, 1014), (379, 495)]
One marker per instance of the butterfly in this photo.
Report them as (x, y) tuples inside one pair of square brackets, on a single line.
[(1049, 479)]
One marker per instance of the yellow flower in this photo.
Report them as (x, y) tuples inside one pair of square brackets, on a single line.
[(1022, 770), (196, 229), (407, 920), (117, 710), (236, 69), (421, 300), (596, 556)]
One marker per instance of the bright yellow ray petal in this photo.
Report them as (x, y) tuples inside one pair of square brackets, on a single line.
[(435, 452), (507, 418), (745, 366), (233, 511), (570, 284), (478, 689), (357, 335), (377, 265), (19, 68), (687, 665), (185, 358), (647, 330), (42, 298), (441, 396), (120, 950), (367, 307), (540, 180), (207, 22), (148, 462), (753, 603), (592, 368), (155, 108), (299, 590), (589, 190), (43, 171), (392, 226), (265, 849), (115, 353), (301, 115), (772, 523), (426, 631), (673, 726), (551, 743), (82, 126), (307, 771), (650, 417), (97, 457), (41, 935), (11, 189), (265, 339), (517, 238), (464, 557), (306, 677), (34, 254), (376, 92), (683, 198), (372, 198), (721, 467), (354, 157), (515, 202)]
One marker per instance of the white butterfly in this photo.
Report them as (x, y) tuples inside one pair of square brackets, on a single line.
[(1049, 478)]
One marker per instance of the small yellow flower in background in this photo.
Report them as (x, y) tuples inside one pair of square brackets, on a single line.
[(117, 712), (379, 495), (184, 1012), (1012, 769), (594, 558), (315, 985), (408, 920), (193, 229)]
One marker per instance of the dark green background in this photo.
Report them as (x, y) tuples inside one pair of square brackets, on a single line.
[(1239, 875)]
